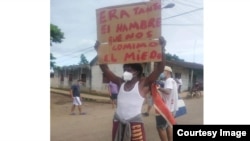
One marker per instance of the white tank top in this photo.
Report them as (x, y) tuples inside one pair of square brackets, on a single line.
[(129, 103)]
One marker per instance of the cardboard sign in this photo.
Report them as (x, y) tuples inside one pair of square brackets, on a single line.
[(128, 33)]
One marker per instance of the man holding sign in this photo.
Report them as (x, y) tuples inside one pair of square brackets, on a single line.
[(128, 34), (127, 122)]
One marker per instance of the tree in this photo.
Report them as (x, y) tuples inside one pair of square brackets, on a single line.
[(52, 63), (56, 36), (174, 57), (83, 60)]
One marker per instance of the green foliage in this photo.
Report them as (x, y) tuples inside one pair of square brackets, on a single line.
[(174, 57), (52, 63), (83, 60), (52, 57), (56, 35)]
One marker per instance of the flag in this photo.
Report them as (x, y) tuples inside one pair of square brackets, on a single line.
[(160, 106)]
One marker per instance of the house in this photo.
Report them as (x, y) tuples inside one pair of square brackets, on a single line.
[(65, 76), (189, 72), (95, 81)]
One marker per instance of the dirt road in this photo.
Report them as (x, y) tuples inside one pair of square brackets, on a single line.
[(96, 125)]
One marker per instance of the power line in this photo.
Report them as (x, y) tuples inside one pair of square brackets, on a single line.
[(77, 55), (185, 4), (69, 53), (76, 51), (183, 13), (183, 24), (68, 59)]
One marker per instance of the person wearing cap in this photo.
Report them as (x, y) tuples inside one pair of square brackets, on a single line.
[(127, 121), (169, 95)]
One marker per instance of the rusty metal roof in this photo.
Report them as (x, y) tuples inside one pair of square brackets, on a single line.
[(176, 63), (185, 64)]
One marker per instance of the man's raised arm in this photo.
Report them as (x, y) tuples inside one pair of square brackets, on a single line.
[(105, 69), (158, 66)]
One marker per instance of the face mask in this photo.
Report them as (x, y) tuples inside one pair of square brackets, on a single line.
[(162, 76), (127, 76)]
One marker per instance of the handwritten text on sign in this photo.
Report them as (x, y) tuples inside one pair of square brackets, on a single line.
[(126, 26)]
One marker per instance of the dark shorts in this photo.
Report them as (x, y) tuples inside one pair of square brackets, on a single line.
[(113, 96), (161, 122)]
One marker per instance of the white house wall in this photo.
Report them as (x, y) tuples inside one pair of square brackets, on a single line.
[(97, 84), (56, 82), (94, 82), (185, 80)]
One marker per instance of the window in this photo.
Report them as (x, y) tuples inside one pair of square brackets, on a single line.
[(70, 77), (83, 77)]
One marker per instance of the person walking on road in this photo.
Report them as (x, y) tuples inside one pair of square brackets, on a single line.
[(75, 95), (149, 101), (179, 83), (113, 91)]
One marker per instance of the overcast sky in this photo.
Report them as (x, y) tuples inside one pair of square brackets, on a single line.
[(182, 27)]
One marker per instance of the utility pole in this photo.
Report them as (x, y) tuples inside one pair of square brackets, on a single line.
[(194, 50)]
